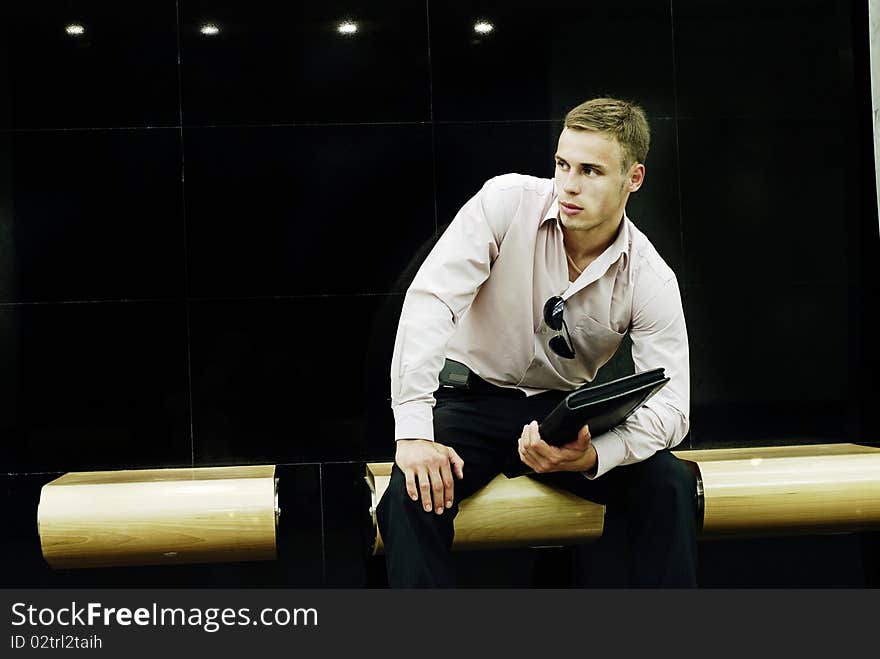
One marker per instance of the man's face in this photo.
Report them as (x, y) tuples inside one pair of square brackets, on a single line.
[(592, 189)]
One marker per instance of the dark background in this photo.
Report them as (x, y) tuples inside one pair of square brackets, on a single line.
[(204, 242)]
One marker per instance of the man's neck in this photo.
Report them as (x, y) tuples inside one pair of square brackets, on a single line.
[(587, 245)]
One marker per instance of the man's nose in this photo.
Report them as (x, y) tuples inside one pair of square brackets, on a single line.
[(570, 183)]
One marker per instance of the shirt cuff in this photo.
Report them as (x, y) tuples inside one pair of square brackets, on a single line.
[(610, 452), (414, 420)]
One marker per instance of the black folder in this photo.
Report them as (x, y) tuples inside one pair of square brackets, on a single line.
[(603, 407)]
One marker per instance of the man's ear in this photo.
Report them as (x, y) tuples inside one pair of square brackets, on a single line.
[(636, 177)]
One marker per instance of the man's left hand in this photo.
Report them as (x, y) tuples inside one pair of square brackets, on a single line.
[(543, 458)]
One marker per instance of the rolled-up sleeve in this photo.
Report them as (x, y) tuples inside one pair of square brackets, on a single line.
[(442, 291), (659, 339)]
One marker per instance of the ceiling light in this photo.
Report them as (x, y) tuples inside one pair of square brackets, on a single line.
[(347, 27), (483, 27)]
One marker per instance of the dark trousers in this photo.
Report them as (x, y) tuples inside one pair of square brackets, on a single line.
[(656, 497)]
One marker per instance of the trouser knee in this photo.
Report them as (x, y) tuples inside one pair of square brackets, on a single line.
[(395, 500), (668, 482), (397, 511)]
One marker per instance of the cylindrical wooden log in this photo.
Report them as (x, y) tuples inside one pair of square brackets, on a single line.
[(780, 490), (516, 512), (788, 489), (159, 517)]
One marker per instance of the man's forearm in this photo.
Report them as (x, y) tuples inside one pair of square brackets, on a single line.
[(652, 428)]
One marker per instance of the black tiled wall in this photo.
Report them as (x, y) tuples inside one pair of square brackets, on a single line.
[(205, 238)]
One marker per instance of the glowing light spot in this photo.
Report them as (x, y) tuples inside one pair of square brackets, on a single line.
[(209, 29), (483, 27), (75, 30), (347, 27)]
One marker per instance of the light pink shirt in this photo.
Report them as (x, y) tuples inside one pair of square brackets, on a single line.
[(479, 297)]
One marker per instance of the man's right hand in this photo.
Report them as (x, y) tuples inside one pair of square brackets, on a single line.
[(428, 467)]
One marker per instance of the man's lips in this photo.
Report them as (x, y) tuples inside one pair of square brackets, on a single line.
[(570, 209)]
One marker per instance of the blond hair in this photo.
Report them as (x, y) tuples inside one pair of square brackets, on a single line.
[(624, 121)]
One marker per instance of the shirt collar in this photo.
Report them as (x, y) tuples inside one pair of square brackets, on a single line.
[(553, 211), (619, 249), (621, 244)]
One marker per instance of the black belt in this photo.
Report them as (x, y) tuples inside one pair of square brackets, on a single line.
[(460, 377)]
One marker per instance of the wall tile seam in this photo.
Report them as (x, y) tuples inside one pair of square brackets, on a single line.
[(320, 464), (254, 298), (874, 73), (106, 301), (186, 278), (803, 117), (323, 527), (333, 124)]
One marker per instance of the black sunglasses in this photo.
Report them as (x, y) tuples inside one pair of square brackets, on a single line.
[(553, 317)]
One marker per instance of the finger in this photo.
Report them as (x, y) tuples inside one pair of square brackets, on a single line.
[(524, 443), (580, 443), (544, 455), (448, 486), (437, 490), (583, 438), (537, 445), (457, 462), (526, 458), (528, 453), (425, 489), (535, 434), (532, 460), (411, 488)]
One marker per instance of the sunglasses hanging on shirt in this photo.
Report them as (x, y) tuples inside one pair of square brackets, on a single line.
[(559, 344)]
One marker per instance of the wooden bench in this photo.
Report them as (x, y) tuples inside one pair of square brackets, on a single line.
[(159, 516), (780, 490)]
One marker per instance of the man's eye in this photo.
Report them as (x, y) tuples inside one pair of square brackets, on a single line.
[(589, 171), (561, 164)]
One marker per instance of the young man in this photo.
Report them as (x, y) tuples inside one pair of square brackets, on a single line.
[(481, 298)]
